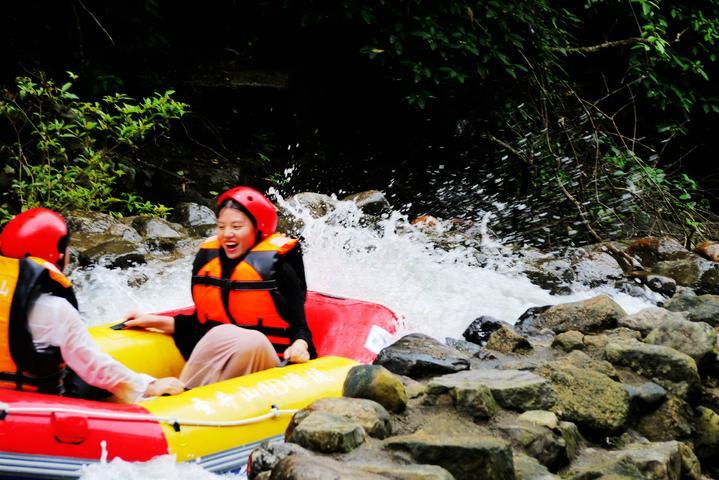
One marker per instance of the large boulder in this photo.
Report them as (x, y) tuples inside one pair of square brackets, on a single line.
[(317, 203), (370, 415), (675, 371), (266, 456), (407, 472), (114, 254), (696, 339), (673, 420), (706, 441), (708, 250), (506, 340), (586, 316), (473, 398), (298, 467), (512, 389), (190, 215), (686, 272), (481, 328), (592, 400), (655, 461), (594, 268), (372, 202), (540, 442), (327, 433), (698, 308), (528, 468), (647, 319), (417, 356), (465, 457), (159, 233), (375, 382), (650, 250)]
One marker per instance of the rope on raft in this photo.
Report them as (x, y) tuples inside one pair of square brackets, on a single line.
[(176, 423)]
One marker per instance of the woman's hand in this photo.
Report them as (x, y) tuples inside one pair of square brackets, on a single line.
[(150, 321), (164, 386), (297, 352)]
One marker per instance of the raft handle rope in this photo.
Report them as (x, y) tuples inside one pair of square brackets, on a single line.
[(176, 423)]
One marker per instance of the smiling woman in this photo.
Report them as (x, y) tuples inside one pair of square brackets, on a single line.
[(249, 289)]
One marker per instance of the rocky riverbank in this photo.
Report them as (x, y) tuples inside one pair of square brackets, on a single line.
[(580, 390)]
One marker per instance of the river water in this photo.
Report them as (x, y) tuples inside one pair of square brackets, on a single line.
[(437, 279)]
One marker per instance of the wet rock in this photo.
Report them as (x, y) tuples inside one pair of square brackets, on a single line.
[(137, 279), (646, 395), (568, 341), (709, 250), (407, 472), (190, 214), (318, 205), (372, 202), (512, 389), (691, 468), (114, 254), (90, 228), (698, 308), (645, 320), (465, 457), (370, 415), (710, 398), (468, 348), (543, 418), (413, 388), (686, 272), (706, 441), (665, 285), (671, 421), (709, 281), (596, 344), (528, 320), (376, 383), (266, 456), (417, 356), (592, 400), (538, 442), (596, 268), (528, 468), (553, 274), (580, 359), (481, 328), (327, 433), (587, 316), (670, 368), (473, 398), (657, 461), (506, 340), (696, 339), (319, 468), (158, 233), (650, 250), (572, 439)]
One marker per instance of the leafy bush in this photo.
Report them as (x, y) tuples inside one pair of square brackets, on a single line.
[(70, 154)]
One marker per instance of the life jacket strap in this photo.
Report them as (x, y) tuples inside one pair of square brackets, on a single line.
[(51, 383), (227, 284)]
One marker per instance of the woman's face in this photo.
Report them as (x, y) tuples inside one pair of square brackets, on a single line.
[(235, 232)]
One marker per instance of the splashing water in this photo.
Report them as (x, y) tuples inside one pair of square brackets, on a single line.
[(435, 278)]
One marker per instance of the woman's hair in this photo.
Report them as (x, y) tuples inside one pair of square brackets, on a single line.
[(229, 203)]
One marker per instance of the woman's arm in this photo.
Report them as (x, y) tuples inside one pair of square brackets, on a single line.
[(291, 290), (53, 321)]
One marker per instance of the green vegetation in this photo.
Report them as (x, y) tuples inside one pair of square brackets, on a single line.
[(70, 154)]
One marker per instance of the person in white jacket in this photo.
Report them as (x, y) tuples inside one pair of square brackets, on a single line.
[(41, 332)]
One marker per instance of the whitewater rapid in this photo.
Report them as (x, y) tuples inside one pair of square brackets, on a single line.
[(435, 277)]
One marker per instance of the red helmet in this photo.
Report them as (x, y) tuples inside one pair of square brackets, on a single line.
[(37, 232), (258, 205)]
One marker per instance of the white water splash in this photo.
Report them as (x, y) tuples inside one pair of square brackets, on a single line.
[(159, 468)]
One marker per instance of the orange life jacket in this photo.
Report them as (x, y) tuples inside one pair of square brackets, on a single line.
[(23, 366), (252, 288)]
